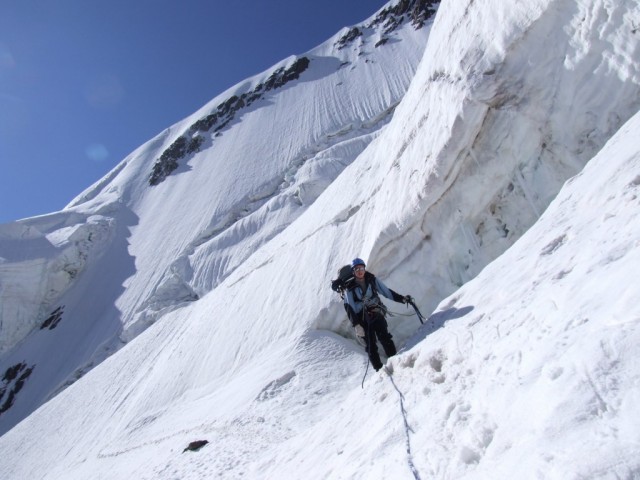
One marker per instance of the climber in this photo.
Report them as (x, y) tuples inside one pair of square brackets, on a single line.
[(367, 313)]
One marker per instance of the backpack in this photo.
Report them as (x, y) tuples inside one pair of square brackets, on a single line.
[(344, 281)]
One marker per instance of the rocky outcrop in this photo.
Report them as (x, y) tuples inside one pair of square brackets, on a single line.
[(348, 38), (12, 382), (417, 11), (195, 445), (391, 18), (52, 320), (221, 117)]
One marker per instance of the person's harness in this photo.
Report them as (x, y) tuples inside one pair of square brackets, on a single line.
[(375, 306)]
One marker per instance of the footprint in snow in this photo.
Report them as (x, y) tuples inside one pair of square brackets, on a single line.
[(275, 387)]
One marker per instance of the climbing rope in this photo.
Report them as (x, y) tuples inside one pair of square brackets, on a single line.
[(407, 428), (415, 308)]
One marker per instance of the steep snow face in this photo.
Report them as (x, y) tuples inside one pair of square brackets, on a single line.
[(533, 91), (181, 213), (505, 106), (528, 371), (467, 163), (534, 373), (40, 259)]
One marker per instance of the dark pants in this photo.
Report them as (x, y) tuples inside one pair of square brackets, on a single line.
[(376, 329)]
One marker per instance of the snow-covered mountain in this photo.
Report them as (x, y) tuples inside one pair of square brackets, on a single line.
[(170, 223), (185, 296)]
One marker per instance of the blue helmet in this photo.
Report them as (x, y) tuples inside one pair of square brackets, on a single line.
[(357, 261)]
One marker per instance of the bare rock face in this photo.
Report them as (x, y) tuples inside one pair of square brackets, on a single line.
[(12, 382), (415, 11)]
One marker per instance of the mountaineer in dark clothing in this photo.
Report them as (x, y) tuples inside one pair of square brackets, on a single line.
[(367, 313)]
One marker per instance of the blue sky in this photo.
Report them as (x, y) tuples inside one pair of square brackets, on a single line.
[(85, 82)]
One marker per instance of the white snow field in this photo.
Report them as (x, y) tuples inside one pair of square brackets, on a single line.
[(484, 160)]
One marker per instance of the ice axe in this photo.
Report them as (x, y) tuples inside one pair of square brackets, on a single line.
[(413, 304)]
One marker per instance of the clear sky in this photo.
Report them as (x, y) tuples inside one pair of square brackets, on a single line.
[(85, 82)]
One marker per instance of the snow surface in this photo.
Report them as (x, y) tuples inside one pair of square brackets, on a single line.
[(200, 309)]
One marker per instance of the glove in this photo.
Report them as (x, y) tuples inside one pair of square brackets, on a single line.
[(407, 299), (359, 331)]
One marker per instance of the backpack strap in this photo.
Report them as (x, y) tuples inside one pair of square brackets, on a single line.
[(369, 279)]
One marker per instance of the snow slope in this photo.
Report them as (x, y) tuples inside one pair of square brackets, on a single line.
[(125, 253), (529, 370)]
